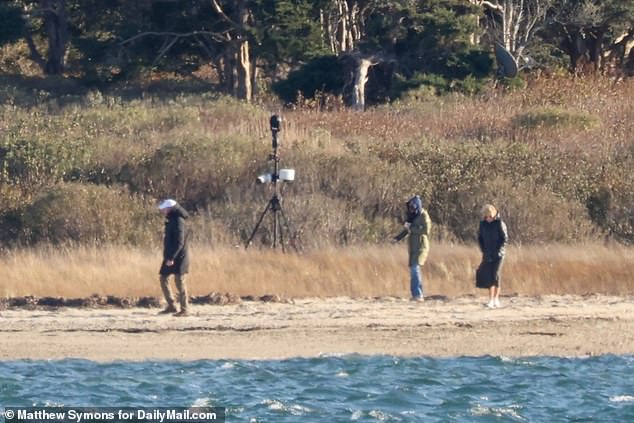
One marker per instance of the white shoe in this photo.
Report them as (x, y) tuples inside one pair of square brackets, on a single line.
[(491, 304), (497, 302)]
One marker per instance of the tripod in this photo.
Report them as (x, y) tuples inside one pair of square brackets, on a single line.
[(281, 223)]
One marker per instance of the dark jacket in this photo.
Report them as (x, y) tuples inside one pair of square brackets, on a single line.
[(492, 238), (175, 243)]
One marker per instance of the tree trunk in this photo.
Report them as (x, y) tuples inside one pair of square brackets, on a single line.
[(56, 29), (360, 79), (254, 77), (360, 68), (55, 25), (519, 20), (341, 26), (238, 54), (474, 37), (243, 71), (227, 70)]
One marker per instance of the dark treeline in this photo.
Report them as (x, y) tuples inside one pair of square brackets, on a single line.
[(366, 51)]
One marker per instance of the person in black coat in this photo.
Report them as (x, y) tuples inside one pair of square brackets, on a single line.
[(492, 239), (175, 257)]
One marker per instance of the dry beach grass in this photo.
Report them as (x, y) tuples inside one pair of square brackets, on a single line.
[(358, 272)]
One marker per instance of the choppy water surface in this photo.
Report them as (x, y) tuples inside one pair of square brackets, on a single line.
[(341, 389)]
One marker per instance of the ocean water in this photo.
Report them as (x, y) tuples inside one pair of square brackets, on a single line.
[(349, 388)]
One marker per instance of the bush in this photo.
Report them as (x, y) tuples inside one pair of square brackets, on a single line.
[(531, 183), (354, 170), (550, 117), (534, 213), (320, 75), (421, 86), (30, 163), (89, 214), (196, 172)]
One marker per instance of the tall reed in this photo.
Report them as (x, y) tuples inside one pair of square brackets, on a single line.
[(364, 271)]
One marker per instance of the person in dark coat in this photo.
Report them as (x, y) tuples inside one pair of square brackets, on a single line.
[(492, 239), (175, 257), (417, 225)]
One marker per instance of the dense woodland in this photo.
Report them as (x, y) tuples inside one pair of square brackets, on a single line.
[(107, 106), (367, 51)]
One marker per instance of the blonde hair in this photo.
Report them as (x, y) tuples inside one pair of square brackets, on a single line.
[(489, 211)]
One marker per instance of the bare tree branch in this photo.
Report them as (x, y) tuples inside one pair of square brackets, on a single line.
[(218, 9), (42, 12), (167, 45), (517, 21), (489, 5), (215, 35)]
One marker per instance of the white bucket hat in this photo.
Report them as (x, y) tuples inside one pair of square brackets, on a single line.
[(166, 204)]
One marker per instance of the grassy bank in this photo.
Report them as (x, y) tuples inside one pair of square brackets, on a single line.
[(355, 272), (556, 158)]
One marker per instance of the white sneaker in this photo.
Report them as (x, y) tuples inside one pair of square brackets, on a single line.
[(491, 304), (497, 302)]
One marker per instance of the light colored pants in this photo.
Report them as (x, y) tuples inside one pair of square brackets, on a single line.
[(180, 286)]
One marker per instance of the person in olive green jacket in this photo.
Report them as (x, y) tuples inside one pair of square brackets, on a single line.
[(417, 226)]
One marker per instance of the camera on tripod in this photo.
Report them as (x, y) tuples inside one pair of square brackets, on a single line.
[(276, 126), (281, 223), (276, 123), (281, 174)]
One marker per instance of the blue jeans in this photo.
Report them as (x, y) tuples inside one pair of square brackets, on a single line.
[(416, 281)]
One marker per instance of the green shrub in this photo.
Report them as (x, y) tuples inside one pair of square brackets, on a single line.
[(422, 85), (610, 205), (30, 163), (515, 83), (196, 172), (462, 177), (354, 170), (88, 214), (320, 75), (550, 117), (533, 213)]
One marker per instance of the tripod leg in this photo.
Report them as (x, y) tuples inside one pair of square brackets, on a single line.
[(276, 226), (281, 228), (291, 235), (257, 225)]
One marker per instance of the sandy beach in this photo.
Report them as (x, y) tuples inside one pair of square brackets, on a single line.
[(310, 327)]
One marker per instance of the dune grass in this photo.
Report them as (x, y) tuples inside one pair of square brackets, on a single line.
[(98, 163), (373, 271), (560, 148)]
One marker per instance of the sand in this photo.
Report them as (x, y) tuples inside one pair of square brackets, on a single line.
[(312, 327)]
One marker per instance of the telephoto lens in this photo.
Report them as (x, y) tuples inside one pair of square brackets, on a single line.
[(265, 178), (276, 123)]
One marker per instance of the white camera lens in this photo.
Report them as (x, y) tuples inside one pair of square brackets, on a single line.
[(265, 178)]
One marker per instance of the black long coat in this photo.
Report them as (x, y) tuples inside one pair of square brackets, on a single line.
[(492, 239), (175, 243)]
